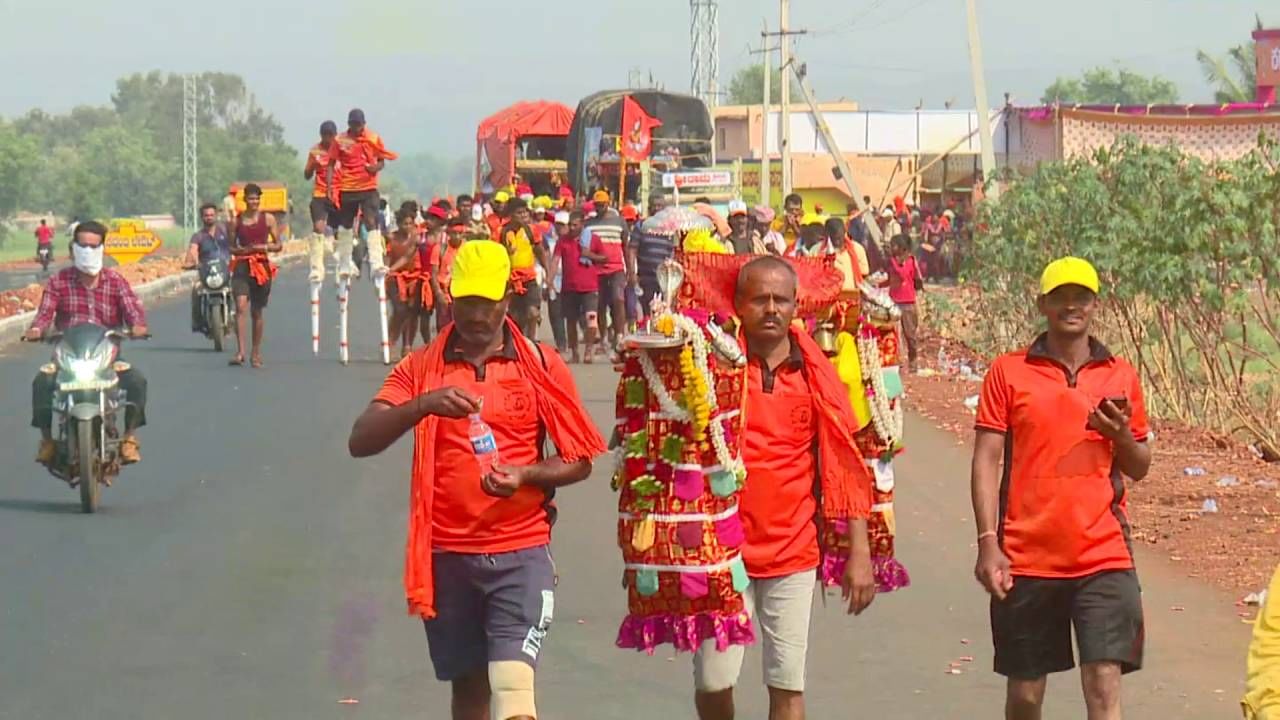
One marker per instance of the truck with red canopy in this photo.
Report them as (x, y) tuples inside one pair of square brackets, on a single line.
[(526, 141)]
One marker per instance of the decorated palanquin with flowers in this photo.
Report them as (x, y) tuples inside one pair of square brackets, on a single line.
[(863, 343), (679, 421), (679, 415)]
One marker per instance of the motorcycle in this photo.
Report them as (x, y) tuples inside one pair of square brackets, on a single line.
[(88, 407), (44, 254), (213, 296)]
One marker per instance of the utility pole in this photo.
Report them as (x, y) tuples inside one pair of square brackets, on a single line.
[(784, 46), (190, 157), (784, 62), (767, 100), (980, 97)]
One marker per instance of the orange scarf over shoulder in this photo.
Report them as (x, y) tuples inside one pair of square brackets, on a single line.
[(261, 269), (565, 419), (846, 481)]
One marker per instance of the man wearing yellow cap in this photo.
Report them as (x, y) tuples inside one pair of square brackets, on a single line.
[(479, 400), (1067, 420), (497, 216)]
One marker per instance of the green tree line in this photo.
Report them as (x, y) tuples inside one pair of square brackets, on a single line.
[(125, 159)]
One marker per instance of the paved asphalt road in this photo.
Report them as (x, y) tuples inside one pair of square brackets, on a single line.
[(249, 568)]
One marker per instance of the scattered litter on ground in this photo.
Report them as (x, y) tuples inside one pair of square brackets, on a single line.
[(1178, 608), (964, 641), (1269, 484), (1255, 598), (1228, 481), (1210, 506), (971, 402), (1193, 471), (348, 701)]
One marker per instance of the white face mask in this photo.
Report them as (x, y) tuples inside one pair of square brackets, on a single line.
[(87, 260)]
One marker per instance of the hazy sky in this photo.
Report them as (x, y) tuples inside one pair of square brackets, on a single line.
[(427, 71)]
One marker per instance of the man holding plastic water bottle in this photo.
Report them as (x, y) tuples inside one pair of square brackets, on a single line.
[(479, 400)]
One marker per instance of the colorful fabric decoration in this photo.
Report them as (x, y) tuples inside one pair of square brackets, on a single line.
[(679, 475), (880, 441)]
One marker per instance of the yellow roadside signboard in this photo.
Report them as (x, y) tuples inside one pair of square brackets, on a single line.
[(129, 241)]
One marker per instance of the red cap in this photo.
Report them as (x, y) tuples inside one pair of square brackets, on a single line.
[(566, 191), (524, 189), (438, 212), (630, 213), (588, 206)]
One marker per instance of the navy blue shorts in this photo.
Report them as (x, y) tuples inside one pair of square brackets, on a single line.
[(490, 608)]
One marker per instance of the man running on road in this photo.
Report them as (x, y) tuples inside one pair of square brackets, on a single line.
[(359, 156), (86, 292), (1066, 420), (802, 463), (253, 235), (478, 568)]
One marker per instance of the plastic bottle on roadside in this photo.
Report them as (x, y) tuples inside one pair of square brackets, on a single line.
[(483, 443)]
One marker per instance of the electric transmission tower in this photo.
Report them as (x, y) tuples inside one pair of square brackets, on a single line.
[(704, 50), (190, 166)]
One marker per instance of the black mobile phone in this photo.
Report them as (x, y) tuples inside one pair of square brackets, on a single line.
[(1121, 402)]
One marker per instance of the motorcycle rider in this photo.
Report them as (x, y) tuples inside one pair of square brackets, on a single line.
[(86, 292), (207, 244), (44, 240)]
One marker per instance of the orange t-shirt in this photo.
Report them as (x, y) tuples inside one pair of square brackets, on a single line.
[(495, 224), (354, 155), (318, 160), (778, 505), (443, 263), (465, 519), (398, 248), (1063, 503)]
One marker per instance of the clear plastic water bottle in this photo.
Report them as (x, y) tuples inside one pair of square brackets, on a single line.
[(483, 443)]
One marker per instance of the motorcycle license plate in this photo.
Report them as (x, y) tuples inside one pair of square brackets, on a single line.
[(78, 385)]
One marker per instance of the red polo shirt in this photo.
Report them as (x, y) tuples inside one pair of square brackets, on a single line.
[(778, 505), (465, 519), (1062, 499)]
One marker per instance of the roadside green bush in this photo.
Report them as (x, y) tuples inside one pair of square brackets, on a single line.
[(1189, 256)]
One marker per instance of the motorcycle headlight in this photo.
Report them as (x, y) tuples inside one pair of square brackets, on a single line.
[(84, 368), (215, 281)]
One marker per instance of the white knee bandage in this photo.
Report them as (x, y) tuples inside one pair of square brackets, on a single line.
[(344, 244), (511, 685), (376, 264), (316, 249)]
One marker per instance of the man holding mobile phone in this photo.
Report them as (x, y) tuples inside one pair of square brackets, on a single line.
[(1068, 421)]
